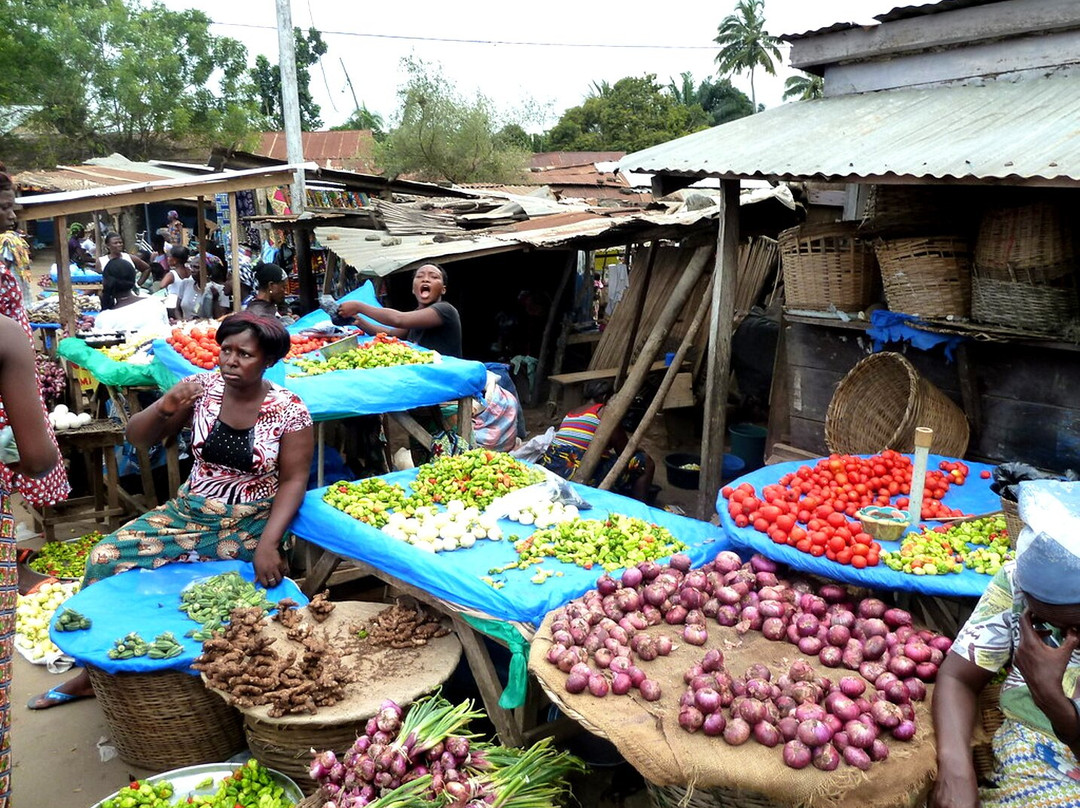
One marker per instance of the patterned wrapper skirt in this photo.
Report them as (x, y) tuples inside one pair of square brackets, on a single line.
[(9, 593), (1031, 770), (563, 459), (186, 528)]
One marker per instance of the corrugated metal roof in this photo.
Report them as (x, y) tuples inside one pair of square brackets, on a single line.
[(578, 158), (898, 13), (350, 149), (1023, 132)]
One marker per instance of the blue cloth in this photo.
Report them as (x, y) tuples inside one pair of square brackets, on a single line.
[(345, 393), (78, 274), (973, 497), (148, 603), (892, 326), (456, 577)]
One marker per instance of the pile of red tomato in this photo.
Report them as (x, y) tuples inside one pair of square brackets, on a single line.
[(812, 508), (197, 346), (303, 344)]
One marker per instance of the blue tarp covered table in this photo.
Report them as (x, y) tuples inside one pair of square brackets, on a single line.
[(456, 577), (973, 497), (148, 603), (345, 393)]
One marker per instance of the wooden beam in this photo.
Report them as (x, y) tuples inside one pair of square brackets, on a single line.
[(639, 308), (545, 340), (620, 403), (665, 385), (304, 274), (718, 365), (234, 240), (200, 235)]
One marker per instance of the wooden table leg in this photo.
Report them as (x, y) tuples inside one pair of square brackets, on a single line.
[(97, 483), (320, 573), (172, 463), (487, 680), (465, 419), (112, 487)]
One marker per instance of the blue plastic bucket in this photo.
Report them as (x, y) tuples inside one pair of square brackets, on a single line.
[(732, 467), (748, 442)]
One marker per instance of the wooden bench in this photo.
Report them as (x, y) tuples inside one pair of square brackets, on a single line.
[(566, 387)]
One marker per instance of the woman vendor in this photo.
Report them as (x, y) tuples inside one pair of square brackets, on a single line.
[(114, 248), (576, 432), (270, 286), (252, 446), (1027, 625), (122, 309), (433, 324)]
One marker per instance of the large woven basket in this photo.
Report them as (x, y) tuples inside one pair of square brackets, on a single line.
[(1013, 523), (1024, 305), (1032, 243), (827, 266), (929, 276), (166, 720), (287, 747), (990, 717), (879, 404)]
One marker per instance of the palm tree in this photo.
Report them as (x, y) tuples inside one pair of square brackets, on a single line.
[(804, 87), (744, 43), (684, 93)]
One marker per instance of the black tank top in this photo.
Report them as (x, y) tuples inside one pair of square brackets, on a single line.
[(225, 446)]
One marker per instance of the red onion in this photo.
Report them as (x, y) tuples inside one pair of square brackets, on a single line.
[(770, 593), (832, 593), (603, 657), (757, 670), (803, 692), (810, 646), (691, 719), (870, 671), (792, 634), (785, 705), (619, 664), (812, 604), (695, 617), (904, 633), (738, 687), (554, 653), (691, 598), (916, 688), (809, 710), (830, 656), (766, 734), (871, 607), (871, 627), (941, 643), (841, 706), (760, 563), (568, 660), (826, 758), (675, 616), (598, 685), (797, 755), (788, 726), (904, 731), (621, 684), (728, 595), (896, 692), (751, 710), (838, 636), (710, 607), (606, 585), (814, 733), (859, 734), (852, 655), (902, 666), (713, 660), (636, 674), (695, 635), (896, 618), (852, 687), (766, 579), (801, 671), (654, 594), (806, 625), (631, 577), (692, 672), (650, 689), (874, 647), (577, 682), (835, 724), (727, 561), (886, 714), (758, 689), (936, 656), (649, 569), (696, 580), (841, 617), (714, 724), (686, 699), (917, 651), (840, 740), (664, 645), (857, 758), (707, 700), (680, 561), (737, 732), (879, 750), (927, 671), (727, 616), (771, 609)]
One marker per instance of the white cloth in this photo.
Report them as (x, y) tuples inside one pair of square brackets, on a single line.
[(618, 280), (104, 259), (183, 291), (147, 313)]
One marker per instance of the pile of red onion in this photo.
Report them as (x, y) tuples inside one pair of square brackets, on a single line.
[(818, 722), (599, 639)]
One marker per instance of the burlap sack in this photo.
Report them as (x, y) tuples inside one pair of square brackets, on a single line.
[(648, 734)]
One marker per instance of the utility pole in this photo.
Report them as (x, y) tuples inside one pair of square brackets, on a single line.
[(290, 102)]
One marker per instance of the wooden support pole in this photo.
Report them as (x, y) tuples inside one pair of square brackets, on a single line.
[(658, 400), (303, 268), (553, 312), (620, 403), (200, 234), (97, 236), (718, 364), (639, 309), (234, 239)]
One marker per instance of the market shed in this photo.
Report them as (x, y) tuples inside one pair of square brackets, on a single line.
[(963, 109)]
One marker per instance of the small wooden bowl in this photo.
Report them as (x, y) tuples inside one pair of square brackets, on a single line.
[(884, 523)]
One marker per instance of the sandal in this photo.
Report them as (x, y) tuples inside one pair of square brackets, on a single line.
[(54, 698)]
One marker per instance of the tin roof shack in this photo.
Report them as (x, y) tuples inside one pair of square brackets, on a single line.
[(958, 96)]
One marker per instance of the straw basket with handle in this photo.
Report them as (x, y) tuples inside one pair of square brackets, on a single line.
[(879, 404), (929, 276)]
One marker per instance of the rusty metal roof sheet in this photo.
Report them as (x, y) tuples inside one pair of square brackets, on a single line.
[(1021, 132), (350, 149)]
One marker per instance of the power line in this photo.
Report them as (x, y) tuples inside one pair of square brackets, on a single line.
[(483, 41)]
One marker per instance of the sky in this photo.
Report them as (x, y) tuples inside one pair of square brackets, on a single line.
[(538, 59)]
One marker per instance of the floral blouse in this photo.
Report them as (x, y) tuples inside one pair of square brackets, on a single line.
[(282, 412)]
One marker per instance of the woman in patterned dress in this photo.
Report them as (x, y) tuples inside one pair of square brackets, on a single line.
[(1025, 627), (252, 443), (37, 473)]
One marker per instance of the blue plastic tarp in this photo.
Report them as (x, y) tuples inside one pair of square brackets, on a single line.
[(148, 603), (78, 274), (893, 326), (457, 576), (345, 393), (973, 497)]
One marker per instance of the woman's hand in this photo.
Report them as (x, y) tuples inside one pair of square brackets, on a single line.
[(181, 396), (1043, 666), (955, 789), (270, 565)]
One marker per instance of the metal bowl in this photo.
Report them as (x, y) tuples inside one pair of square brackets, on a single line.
[(185, 780)]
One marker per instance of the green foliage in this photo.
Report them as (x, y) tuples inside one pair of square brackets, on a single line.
[(633, 114), (723, 101), (364, 118), (114, 75), (442, 136), (267, 80), (804, 87), (744, 43)]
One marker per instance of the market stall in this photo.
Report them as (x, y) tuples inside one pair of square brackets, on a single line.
[(484, 583)]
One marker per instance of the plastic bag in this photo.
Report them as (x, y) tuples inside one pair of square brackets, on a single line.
[(1008, 476), (533, 449), (553, 489), (1048, 548)]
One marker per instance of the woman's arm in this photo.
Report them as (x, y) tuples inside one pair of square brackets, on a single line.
[(427, 317), (19, 392), (140, 264), (294, 468), (165, 417), (959, 683)]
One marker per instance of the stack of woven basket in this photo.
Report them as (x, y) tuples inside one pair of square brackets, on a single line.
[(1024, 275)]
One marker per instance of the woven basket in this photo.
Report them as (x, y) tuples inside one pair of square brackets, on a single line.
[(1023, 305), (928, 276), (166, 720), (1033, 243), (879, 404), (1013, 523), (912, 210), (287, 747), (827, 265), (990, 716)]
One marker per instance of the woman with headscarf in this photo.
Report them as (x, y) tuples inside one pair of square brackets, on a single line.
[(1026, 626), (174, 229), (122, 309), (77, 254)]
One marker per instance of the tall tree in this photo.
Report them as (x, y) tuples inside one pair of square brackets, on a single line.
[(635, 114), (442, 136), (683, 90), (804, 87), (723, 101), (267, 79), (364, 118), (744, 43)]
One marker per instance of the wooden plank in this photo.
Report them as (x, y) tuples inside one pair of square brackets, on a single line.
[(1023, 374), (602, 373), (639, 307), (809, 435), (779, 426), (234, 241), (784, 452), (820, 347), (1045, 436), (409, 424), (718, 364), (549, 326), (465, 424), (812, 391), (487, 680)]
